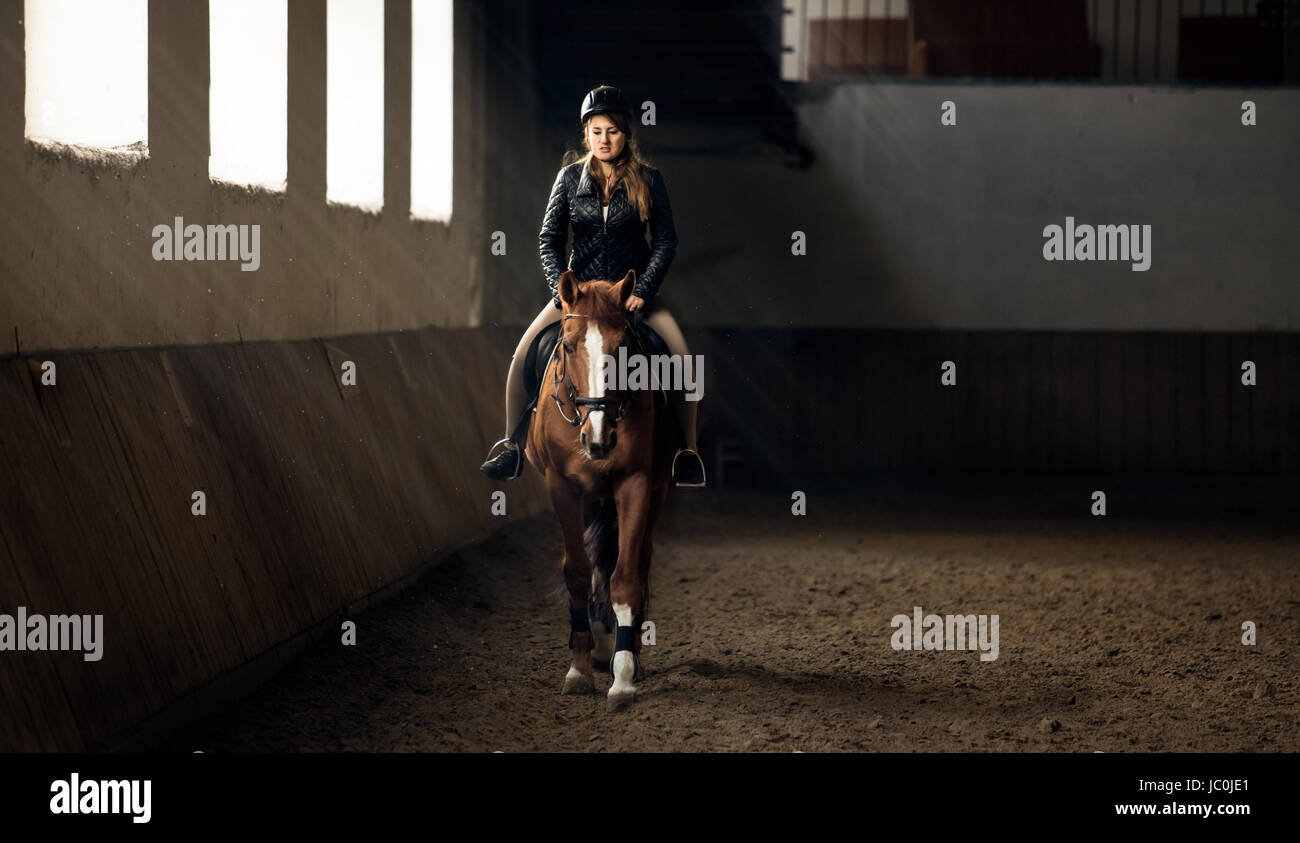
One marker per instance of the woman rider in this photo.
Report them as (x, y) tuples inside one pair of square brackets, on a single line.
[(630, 194)]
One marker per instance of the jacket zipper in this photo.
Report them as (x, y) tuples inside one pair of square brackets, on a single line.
[(604, 227)]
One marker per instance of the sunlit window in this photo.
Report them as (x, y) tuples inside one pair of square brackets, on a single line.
[(354, 90), (248, 93), (88, 72), (431, 109)]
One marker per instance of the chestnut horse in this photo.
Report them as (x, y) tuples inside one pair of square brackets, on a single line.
[(606, 456)]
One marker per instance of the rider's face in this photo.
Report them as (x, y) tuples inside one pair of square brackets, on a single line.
[(604, 138)]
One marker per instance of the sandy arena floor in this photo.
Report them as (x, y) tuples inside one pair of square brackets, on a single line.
[(773, 634)]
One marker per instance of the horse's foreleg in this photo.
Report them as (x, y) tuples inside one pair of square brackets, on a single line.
[(657, 498), (577, 579), (627, 585)]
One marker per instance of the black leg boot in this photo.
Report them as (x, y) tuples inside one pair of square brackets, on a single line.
[(506, 465)]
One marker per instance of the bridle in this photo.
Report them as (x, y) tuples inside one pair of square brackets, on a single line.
[(561, 370)]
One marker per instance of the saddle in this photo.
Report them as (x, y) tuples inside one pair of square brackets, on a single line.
[(539, 355)]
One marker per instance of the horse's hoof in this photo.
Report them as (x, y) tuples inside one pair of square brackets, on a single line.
[(579, 683), (618, 702)]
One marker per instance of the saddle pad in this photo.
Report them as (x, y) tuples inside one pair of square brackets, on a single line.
[(539, 354)]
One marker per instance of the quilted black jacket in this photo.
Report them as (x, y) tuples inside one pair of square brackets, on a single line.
[(606, 249)]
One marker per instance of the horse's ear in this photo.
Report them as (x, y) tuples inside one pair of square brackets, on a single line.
[(569, 292), (626, 286)]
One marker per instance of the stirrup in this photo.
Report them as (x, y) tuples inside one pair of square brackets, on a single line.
[(510, 446), (700, 462)]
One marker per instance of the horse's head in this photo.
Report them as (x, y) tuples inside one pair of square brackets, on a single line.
[(594, 325)]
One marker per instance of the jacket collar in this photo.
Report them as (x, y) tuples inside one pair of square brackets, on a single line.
[(587, 185)]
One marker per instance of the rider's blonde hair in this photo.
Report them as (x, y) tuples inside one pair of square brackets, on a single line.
[(629, 168)]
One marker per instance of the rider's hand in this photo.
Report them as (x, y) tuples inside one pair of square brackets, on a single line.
[(635, 302)]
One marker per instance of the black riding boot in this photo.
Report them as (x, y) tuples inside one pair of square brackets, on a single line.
[(506, 465)]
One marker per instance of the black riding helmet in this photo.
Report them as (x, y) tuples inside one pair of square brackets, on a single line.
[(604, 100)]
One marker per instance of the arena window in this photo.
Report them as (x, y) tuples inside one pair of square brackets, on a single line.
[(88, 73), (354, 93), (248, 99), (431, 109)]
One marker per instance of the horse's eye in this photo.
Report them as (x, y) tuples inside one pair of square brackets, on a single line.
[(568, 346)]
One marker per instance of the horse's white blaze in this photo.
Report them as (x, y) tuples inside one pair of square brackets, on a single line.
[(624, 666), (595, 383)]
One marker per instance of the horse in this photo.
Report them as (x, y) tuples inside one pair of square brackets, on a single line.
[(606, 456)]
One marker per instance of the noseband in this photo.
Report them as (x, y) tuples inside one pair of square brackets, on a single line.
[(580, 401)]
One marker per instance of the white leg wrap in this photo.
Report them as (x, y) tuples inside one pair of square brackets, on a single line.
[(624, 663), (624, 667)]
